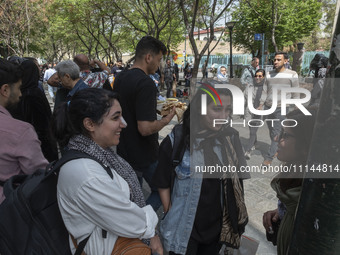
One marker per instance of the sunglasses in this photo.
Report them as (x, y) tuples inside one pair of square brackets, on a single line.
[(285, 136)]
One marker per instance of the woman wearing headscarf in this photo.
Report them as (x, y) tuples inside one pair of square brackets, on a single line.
[(257, 94), (294, 145), (34, 108), (203, 211), (222, 74)]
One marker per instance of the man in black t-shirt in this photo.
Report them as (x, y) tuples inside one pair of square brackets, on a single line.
[(139, 140), (117, 68)]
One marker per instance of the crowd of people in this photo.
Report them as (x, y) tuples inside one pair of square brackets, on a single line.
[(117, 125)]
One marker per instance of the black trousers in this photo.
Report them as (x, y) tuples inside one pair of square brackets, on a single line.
[(168, 88), (196, 248)]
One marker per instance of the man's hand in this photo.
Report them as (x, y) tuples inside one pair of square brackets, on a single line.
[(100, 64), (146, 128), (169, 117), (268, 218), (156, 245), (92, 63), (260, 107)]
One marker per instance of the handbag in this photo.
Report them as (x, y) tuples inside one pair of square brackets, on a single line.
[(130, 246), (125, 246)]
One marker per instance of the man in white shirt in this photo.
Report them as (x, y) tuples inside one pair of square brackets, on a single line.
[(47, 75), (277, 78)]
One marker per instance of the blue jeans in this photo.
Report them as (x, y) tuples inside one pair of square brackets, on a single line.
[(274, 130), (147, 173)]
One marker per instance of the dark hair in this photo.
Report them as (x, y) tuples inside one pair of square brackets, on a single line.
[(92, 103), (10, 72), (32, 59), (285, 54), (149, 44), (261, 70), (194, 110), (16, 59)]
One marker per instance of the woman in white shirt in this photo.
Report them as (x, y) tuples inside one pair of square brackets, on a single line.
[(90, 201)]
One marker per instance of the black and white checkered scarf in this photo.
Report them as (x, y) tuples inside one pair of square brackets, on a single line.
[(110, 158)]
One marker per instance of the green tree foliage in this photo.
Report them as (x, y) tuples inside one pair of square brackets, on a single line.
[(161, 19), (284, 22), (328, 7), (57, 29), (20, 22), (202, 14), (320, 36)]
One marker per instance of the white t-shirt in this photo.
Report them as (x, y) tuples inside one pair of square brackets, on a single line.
[(287, 78)]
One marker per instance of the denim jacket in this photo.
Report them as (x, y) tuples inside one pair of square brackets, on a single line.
[(176, 226)]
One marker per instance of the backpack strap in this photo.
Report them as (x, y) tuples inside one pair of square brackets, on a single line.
[(178, 147), (251, 73), (81, 246), (178, 150), (68, 156), (73, 154)]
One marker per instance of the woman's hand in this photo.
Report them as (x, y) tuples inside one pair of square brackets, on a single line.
[(268, 218), (165, 198), (156, 245)]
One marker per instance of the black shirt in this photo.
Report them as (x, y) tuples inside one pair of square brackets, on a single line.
[(116, 70), (138, 101), (208, 219)]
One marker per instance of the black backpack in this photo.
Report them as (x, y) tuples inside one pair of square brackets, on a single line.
[(178, 150), (30, 220)]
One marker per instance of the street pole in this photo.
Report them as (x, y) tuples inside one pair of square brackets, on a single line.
[(231, 25), (317, 222), (262, 58), (185, 49), (231, 52)]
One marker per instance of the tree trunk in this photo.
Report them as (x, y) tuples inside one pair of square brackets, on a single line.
[(297, 60), (274, 19), (317, 224), (196, 66)]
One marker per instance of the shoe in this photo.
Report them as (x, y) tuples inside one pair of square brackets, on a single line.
[(266, 162), (253, 148), (247, 155)]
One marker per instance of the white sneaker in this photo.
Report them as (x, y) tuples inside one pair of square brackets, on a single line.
[(247, 155)]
